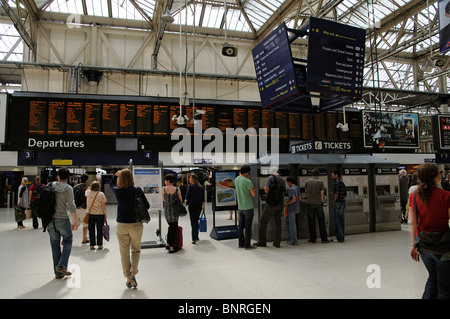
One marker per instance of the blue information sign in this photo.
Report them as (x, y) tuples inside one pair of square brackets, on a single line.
[(335, 58), (274, 67)]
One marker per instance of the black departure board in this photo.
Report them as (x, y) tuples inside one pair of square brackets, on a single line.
[(160, 120), (320, 132), (144, 120), (127, 119), (209, 118), (37, 123), (240, 118), (295, 131), (92, 118), (307, 127), (56, 118), (74, 118), (254, 118), (224, 119), (110, 117), (332, 131), (267, 120), (281, 122)]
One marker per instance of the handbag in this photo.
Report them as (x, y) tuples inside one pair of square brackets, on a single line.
[(105, 230), (28, 213), (140, 211), (19, 213), (178, 207), (86, 217), (202, 224), (433, 242)]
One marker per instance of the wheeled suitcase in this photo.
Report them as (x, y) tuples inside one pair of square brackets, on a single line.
[(178, 241)]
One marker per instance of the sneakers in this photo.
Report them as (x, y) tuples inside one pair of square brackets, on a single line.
[(62, 271)]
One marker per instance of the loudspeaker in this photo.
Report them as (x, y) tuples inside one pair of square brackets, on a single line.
[(229, 50)]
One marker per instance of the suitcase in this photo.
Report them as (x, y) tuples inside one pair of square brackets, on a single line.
[(178, 242)]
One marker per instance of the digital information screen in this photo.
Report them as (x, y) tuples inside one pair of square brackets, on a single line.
[(37, 123), (92, 118), (144, 120), (74, 119), (444, 131), (110, 116), (56, 118), (335, 58), (274, 68), (127, 119), (160, 120)]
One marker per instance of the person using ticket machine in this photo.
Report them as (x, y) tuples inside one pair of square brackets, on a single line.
[(315, 195)]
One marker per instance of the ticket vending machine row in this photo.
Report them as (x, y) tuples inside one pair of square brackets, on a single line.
[(357, 214), (302, 220), (387, 200)]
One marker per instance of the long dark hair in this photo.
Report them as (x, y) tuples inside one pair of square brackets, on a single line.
[(427, 174)]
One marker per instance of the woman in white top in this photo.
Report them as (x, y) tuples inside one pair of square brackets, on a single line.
[(22, 199)]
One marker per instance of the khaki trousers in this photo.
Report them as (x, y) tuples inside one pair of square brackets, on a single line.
[(130, 234)]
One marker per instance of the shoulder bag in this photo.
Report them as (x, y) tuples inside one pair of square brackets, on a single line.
[(177, 205), (202, 223), (86, 218), (140, 211), (433, 242)]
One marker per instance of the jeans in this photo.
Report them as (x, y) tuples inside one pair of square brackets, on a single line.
[(313, 211), (291, 227), (245, 227), (60, 228), (438, 283), (96, 223), (268, 213), (194, 214), (338, 210)]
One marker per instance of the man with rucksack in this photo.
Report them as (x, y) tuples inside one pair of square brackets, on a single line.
[(315, 195), (275, 189), (79, 192), (60, 226)]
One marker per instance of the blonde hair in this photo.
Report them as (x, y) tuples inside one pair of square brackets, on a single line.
[(125, 179), (24, 181)]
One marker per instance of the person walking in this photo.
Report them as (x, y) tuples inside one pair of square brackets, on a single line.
[(79, 192), (433, 215), (96, 203), (22, 199), (60, 226), (195, 199), (293, 208), (244, 192), (338, 205), (315, 194), (168, 193), (33, 190), (129, 231), (403, 181), (275, 189)]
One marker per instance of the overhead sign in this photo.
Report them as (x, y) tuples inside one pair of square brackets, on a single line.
[(335, 58), (444, 131), (274, 68), (322, 146)]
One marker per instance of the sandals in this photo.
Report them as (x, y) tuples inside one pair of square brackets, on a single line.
[(133, 282)]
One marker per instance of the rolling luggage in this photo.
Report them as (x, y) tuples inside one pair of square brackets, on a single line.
[(178, 242)]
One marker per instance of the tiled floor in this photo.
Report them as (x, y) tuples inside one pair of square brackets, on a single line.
[(212, 269)]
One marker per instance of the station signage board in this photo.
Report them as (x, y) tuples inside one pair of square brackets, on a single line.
[(444, 131), (322, 146)]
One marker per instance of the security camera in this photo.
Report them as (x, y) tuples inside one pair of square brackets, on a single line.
[(199, 112), (343, 127), (180, 120), (229, 50)]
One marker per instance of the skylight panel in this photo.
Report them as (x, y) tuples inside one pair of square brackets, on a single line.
[(63, 6), (98, 7)]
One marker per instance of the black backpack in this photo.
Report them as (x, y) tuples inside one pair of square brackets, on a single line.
[(44, 204), (275, 194), (78, 195)]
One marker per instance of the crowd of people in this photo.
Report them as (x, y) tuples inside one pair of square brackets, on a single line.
[(425, 203)]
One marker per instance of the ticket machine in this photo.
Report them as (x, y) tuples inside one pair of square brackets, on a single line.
[(387, 199), (305, 173), (357, 214)]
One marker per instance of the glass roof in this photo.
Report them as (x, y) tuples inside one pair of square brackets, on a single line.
[(256, 18)]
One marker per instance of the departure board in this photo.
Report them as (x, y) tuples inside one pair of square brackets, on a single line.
[(92, 118), (37, 123), (144, 120), (127, 119), (307, 127), (209, 118), (175, 110), (160, 120), (240, 118), (281, 122), (224, 119), (110, 117), (331, 126), (267, 120), (254, 118), (56, 118), (74, 119), (295, 131), (320, 132)]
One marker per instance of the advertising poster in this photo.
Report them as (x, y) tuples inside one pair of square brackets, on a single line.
[(391, 129), (149, 179), (224, 190), (444, 25)]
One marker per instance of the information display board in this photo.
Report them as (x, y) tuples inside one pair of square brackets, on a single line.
[(224, 191), (444, 131), (335, 58), (393, 129), (150, 180), (274, 68)]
